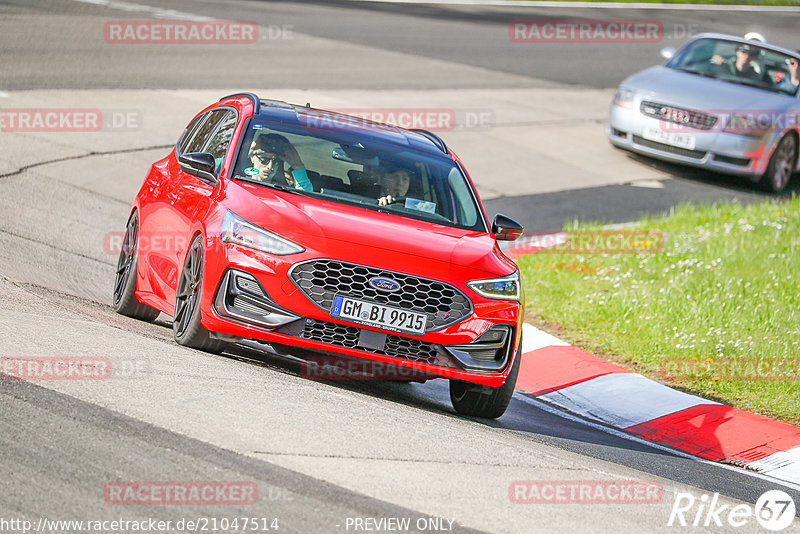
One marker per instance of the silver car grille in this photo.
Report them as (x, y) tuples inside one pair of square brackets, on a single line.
[(321, 280), (684, 117)]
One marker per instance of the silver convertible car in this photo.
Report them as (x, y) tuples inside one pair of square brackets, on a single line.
[(724, 103)]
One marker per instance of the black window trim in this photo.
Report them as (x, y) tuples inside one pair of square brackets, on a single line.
[(178, 152), (207, 112), (187, 132), (199, 124), (219, 126)]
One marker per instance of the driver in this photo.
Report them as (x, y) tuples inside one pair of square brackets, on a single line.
[(274, 159), (744, 64), (393, 184)]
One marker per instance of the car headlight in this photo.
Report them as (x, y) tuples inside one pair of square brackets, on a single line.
[(623, 98), (504, 288), (239, 231)]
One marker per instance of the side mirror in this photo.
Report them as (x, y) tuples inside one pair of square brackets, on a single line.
[(667, 52), (200, 164), (505, 228)]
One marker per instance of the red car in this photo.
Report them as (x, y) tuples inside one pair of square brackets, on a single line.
[(321, 233)]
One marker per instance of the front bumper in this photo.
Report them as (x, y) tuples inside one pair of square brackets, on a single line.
[(254, 298), (719, 151)]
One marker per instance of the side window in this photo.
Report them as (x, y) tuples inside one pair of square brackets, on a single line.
[(467, 213), (199, 137), (218, 145), (187, 133)]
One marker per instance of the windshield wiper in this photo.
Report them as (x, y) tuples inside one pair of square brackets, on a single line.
[(748, 83), (272, 185), (279, 187)]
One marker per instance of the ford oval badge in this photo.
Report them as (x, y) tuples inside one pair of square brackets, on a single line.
[(384, 284)]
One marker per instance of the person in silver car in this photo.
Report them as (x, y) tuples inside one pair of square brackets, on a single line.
[(721, 102), (744, 63), (792, 81)]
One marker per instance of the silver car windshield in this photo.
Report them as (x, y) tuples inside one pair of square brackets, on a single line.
[(341, 166), (741, 63)]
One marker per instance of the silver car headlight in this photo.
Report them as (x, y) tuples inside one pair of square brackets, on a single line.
[(239, 231), (624, 97), (503, 288)]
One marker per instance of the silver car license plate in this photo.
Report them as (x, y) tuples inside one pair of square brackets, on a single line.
[(680, 140)]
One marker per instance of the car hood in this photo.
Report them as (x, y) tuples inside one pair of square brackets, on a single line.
[(330, 227), (674, 87)]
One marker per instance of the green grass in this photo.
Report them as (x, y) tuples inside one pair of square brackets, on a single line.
[(723, 2), (716, 312)]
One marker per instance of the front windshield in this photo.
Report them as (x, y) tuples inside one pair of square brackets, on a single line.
[(341, 166), (741, 63)]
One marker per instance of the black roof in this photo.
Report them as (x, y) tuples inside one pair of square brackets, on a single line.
[(306, 116)]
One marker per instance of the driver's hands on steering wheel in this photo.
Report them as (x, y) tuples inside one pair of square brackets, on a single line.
[(389, 199)]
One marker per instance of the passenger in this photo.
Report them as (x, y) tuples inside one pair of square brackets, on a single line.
[(791, 82), (743, 64), (393, 185), (276, 160)]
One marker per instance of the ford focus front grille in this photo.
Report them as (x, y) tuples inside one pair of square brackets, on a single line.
[(321, 280)]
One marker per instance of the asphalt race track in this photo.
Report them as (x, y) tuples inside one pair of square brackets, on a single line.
[(325, 456)]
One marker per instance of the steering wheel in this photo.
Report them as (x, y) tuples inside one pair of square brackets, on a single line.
[(395, 200)]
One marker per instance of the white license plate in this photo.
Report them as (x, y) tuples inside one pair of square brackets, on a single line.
[(378, 315), (679, 140)]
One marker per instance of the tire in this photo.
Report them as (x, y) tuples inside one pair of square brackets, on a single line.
[(781, 165), (123, 299), (186, 326), (484, 401)]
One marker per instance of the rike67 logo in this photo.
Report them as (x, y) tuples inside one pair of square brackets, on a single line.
[(774, 510)]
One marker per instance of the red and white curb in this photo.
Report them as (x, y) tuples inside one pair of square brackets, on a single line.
[(576, 381)]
